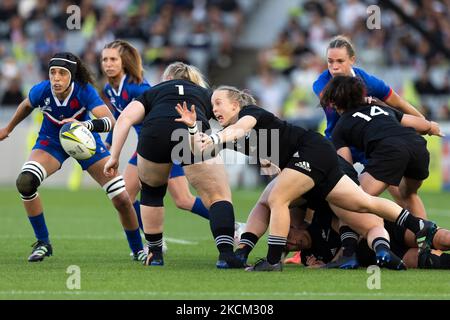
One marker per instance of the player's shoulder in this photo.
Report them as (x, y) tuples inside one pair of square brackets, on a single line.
[(84, 90), (41, 87), (321, 81), (365, 76)]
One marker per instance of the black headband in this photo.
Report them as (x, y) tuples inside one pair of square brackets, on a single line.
[(66, 61)]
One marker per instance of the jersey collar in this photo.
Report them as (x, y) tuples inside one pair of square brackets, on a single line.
[(58, 103), (120, 86)]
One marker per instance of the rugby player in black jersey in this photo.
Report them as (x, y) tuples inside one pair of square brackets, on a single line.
[(307, 161), (157, 151)]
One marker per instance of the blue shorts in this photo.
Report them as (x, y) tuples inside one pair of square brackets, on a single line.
[(176, 171), (52, 146)]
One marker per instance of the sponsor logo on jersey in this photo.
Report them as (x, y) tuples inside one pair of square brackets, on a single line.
[(304, 165)]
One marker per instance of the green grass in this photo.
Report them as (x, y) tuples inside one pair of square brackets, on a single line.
[(86, 232)]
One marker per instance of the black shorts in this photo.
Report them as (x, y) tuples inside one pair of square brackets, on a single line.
[(315, 199), (393, 158), (162, 141), (317, 159)]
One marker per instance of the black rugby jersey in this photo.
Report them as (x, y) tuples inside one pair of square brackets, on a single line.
[(362, 126), (160, 100), (325, 241), (268, 135)]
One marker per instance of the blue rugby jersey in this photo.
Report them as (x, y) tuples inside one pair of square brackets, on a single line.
[(374, 86), (81, 100), (119, 99)]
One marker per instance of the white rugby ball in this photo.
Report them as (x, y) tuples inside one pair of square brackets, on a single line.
[(77, 141)]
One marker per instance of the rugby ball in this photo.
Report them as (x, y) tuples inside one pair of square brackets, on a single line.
[(77, 141)]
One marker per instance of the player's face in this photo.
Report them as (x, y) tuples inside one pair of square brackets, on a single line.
[(59, 79), (112, 63), (339, 62), (225, 110), (298, 239)]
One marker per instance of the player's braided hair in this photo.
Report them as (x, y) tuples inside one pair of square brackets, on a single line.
[(341, 41), (242, 96), (344, 93), (131, 59)]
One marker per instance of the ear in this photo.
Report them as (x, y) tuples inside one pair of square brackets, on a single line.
[(236, 105), (353, 60)]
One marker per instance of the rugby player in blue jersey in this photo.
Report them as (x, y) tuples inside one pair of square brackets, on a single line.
[(68, 96), (122, 65), (341, 58)]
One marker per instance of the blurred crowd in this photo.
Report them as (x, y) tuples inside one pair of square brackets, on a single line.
[(200, 32), (204, 33), (287, 70)]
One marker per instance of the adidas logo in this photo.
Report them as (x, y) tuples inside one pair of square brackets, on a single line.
[(304, 165)]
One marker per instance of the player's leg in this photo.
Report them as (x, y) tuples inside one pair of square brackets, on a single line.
[(179, 190), (256, 225), (289, 186), (39, 166), (210, 180), (427, 259), (371, 228), (116, 192), (347, 195), (133, 186), (153, 177), (371, 185), (409, 191)]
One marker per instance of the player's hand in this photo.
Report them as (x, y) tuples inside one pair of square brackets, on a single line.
[(188, 117), (111, 167), (313, 262), (435, 130), (206, 141), (67, 120), (4, 133)]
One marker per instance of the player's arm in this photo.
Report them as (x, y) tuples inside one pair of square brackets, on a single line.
[(133, 114), (23, 110), (345, 153), (229, 134), (236, 131), (395, 101), (421, 125), (104, 121)]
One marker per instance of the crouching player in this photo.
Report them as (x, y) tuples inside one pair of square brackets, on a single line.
[(67, 96)]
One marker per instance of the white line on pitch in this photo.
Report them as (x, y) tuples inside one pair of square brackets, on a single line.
[(90, 237)]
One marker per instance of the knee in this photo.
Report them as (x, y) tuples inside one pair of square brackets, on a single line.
[(30, 179), (122, 202), (275, 201), (409, 189), (153, 196), (27, 184)]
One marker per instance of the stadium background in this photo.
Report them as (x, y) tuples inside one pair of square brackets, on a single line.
[(276, 49)]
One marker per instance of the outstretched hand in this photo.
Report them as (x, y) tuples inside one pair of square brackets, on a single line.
[(188, 117), (4, 133), (111, 167), (435, 130)]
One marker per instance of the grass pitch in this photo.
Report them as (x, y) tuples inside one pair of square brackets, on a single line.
[(86, 232)]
